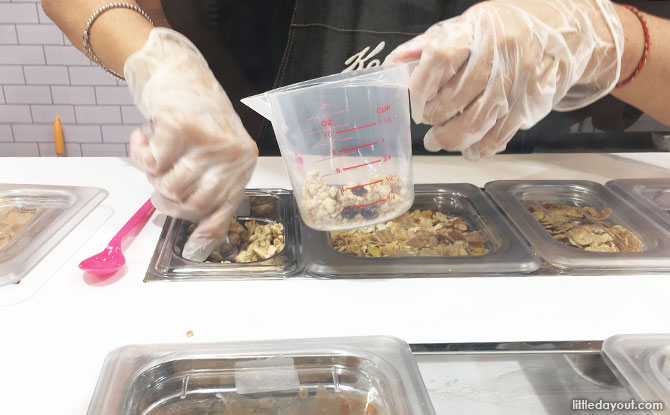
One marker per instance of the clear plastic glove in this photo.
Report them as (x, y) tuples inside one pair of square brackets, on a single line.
[(200, 157), (503, 65)]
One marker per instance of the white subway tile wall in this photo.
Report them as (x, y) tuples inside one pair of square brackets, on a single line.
[(5, 133), (15, 94), (11, 75), (19, 149), (102, 150), (7, 34), (47, 113), (15, 114), (39, 34), (33, 132), (42, 76), (48, 149), (73, 95)]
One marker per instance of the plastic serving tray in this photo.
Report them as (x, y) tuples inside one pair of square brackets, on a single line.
[(651, 196), (346, 376), (508, 253), (514, 198), (262, 204), (34, 218)]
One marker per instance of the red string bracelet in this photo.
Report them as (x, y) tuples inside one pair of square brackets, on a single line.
[(645, 52)]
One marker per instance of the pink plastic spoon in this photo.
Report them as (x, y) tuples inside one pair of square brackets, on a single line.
[(111, 259)]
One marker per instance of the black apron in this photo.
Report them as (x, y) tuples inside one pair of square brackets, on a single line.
[(256, 45), (332, 36)]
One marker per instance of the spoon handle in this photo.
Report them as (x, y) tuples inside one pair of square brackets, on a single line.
[(146, 209)]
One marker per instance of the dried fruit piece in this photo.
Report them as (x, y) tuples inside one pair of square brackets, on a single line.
[(359, 191), (370, 212)]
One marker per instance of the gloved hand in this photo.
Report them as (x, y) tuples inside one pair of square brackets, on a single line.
[(200, 157), (503, 65)]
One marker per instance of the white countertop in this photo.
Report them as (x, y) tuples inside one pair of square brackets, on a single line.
[(53, 343)]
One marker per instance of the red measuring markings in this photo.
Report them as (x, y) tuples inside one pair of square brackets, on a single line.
[(327, 174), (312, 118), (332, 157), (329, 128), (362, 185), (356, 128), (357, 147), (368, 204), (318, 145), (339, 112), (361, 165)]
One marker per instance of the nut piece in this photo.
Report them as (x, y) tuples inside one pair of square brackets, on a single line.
[(415, 233), (586, 228)]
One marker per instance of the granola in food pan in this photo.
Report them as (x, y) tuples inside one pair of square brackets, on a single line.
[(586, 228), (256, 240), (414, 233), (12, 221)]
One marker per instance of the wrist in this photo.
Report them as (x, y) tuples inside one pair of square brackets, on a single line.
[(635, 44), (101, 23), (167, 57)]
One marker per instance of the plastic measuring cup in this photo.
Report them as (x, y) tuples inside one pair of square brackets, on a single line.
[(345, 140)]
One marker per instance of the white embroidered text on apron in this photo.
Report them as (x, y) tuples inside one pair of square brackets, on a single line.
[(358, 60)]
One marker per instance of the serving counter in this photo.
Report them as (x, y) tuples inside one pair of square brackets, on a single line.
[(57, 325)]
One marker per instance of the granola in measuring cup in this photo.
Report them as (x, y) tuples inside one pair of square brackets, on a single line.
[(350, 205)]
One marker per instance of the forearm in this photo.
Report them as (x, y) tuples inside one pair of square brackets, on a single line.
[(115, 35), (650, 90)]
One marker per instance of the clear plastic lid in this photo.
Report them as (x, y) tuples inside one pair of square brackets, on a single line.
[(34, 218), (582, 226), (642, 363), (651, 196), (450, 229), (341, 376)]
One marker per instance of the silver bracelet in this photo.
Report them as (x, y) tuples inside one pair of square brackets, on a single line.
[(88, 50)]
